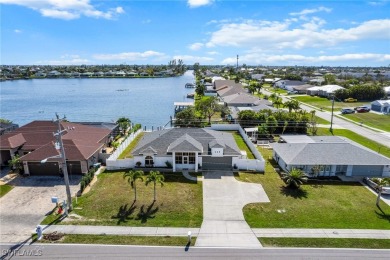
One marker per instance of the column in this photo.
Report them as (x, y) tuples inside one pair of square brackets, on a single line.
[(173, 162), (196, 161)]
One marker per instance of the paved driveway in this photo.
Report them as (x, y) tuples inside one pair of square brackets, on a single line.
[(223, 221), (25, 206)]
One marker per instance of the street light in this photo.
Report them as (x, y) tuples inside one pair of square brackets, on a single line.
[(331, 118)]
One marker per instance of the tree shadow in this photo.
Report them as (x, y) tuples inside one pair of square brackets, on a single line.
[(382, 214), (148, 214), (124, 213), (294, 193)]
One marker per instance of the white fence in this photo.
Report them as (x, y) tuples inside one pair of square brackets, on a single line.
[(124, 145), (249, 164)]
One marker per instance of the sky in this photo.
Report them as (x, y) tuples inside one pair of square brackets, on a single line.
[(210, 32)]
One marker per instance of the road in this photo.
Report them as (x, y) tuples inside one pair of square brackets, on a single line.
[(68, 251), (379, 137)]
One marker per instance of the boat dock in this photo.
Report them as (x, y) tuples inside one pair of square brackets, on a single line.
[(190, 85), (179, 106)]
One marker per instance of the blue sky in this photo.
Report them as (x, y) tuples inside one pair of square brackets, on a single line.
[(72, 32)]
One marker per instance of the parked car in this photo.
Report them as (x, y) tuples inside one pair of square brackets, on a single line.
[(374, 186), (362, 109), (347, 111), (292, 92), (350, 100)]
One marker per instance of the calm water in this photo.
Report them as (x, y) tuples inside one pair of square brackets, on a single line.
[(146, 101)]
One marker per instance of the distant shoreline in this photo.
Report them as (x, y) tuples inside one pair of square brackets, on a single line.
[(93, 77)]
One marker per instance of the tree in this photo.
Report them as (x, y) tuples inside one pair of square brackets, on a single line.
[(313, 123), (132, 177), (124, 123), (294, 178), (157, 178), (207, 106), (5, 121), (187, 117), (16, 164), (380, 182), (329, 79), (200, 89), (277, 102), (272, 123)]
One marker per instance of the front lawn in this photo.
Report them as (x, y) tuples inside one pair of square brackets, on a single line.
[(324, 205), (4, 189), (241, 144), (325, 242), (326, 104), (376, 147), (111, 202), (371, 119)]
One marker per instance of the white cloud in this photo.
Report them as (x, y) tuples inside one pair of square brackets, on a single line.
[(188, 59), (146, 21), (130, 56), (17, 31), (312, 11), (290, 59), (281, 35), (196, 46), (378, 3), (198, 3), (66, 9), (213, 53)]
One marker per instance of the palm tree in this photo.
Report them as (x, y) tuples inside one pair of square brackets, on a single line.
[(380, 182), (157, 178), (16, 164), (133, 176), (277, 102), (294, 178), (123, 123)]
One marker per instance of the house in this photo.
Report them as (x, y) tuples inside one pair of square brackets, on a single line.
[(382, 106), (218, 83), (323, 91), (333, 155), (35, 142), (387, 90), (288, 84), (7, 127), (244, 100), (226, 90), (187, 148)]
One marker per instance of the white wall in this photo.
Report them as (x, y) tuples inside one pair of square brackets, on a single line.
[(386, 171), (217, 152), (248, 164), (120, 164)]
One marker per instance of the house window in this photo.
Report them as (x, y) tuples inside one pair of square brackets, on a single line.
[(149, 161), (178, 158), (192, 158), (185, 158)]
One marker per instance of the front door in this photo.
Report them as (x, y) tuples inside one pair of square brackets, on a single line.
[(185, 159)]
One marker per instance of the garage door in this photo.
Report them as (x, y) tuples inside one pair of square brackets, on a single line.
[(376, 108), (74, 168), (367, 170), (48, 168), (216, 163)]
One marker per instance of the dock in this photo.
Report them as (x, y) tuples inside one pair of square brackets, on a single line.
[(179, 106), (190, 85)]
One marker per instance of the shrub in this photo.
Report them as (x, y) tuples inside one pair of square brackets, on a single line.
[(138, 164)]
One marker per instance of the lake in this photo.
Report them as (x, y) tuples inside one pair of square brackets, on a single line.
[(148, 101)]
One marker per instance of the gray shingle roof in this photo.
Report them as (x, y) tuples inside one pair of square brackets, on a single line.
[(181, 138), (185, 143)]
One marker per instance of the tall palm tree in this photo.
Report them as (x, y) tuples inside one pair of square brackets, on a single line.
[(157, 178), (132, 177), (277, 102), (294, 178)]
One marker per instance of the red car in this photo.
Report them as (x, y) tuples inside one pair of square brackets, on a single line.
[(362, 109)]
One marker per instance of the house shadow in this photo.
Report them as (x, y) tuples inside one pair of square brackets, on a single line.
[(124, 213), (143, 215), (294, 193)]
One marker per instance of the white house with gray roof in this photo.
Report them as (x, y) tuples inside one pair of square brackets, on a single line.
[(335, 156), (187, 148)]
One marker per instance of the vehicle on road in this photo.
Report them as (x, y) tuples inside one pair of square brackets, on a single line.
[(347, 111), (292, 92), (371, 182), (350, 100), (362, 109)]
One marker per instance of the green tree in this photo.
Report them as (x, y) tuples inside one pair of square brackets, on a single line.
[(124, 124), (294, 178), (187, 117), (132, 177), (277, 102), (329, 79), (5, 121), (272, 123), (157, 178), (381, 183), (16, 164), (207, 106)]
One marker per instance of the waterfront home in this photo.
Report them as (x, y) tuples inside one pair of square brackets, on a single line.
[(332, 155)]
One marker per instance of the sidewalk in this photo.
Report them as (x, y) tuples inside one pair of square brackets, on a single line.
[(183, 232)]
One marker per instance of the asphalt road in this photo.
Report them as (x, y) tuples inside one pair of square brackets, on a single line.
[(67, 251), (381, 138)]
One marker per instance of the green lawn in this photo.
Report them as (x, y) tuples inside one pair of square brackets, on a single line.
[(358, 139), (371, 119), (241, 144), (325, 205), (110, 202), (325, 242), (322, 121), (124, 240), (326, 104), (127, 152), (4, 189)]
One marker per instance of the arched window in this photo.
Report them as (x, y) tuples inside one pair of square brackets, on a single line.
[(149, 161)]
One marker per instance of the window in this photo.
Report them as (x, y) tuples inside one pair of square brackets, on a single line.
[(189, 158), (178, 158), (149, 161), (192, 158)]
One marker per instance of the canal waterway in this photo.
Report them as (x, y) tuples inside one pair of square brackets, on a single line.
[(148, 101)]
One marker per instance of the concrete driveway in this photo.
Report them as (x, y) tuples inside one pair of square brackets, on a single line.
[(26, 205), (223, 221)]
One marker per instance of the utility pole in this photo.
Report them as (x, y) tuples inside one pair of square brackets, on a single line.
[(237, 63), (64, 166), (331, 118)]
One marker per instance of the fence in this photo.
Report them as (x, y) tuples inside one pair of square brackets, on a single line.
[(249, 164), (124, 145)]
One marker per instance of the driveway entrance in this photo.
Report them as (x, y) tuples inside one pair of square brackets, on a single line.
[(223, 221)]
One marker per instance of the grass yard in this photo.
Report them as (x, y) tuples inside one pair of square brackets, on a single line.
[(376, 147), (111, 202), (322, 121), (127, 152), (241, 144), (325, 205), (371, 119), (4, 189), (326, 104), (124, 240), (325, 242)]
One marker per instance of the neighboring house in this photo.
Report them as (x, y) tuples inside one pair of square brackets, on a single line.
[(226, 90), (288, 84), (323, 91), (53, 74), (302, 89), (218, 83), (187, 148), (387, 90), (334, 155), (382, 106), (244, 100), (5, 127), (35, 142)]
